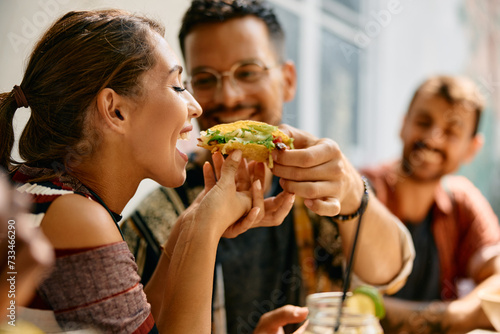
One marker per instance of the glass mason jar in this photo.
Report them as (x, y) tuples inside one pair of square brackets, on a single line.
[(323, 313)]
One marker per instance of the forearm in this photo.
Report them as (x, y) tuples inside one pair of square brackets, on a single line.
[(180, 289), (467, 311), (458, 316), (415, 317), (156, 286), (378, 255), (187, 286)]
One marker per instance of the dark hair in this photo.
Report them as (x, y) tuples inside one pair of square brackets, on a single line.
[(455, 90), (81, 54), (217, 11)]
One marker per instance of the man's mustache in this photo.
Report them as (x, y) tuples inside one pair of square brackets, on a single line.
[(422, 145)]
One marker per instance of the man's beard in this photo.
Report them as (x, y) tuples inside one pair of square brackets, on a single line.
[(413, 160)]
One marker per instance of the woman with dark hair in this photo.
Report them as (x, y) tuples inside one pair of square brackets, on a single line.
[(107, 109)]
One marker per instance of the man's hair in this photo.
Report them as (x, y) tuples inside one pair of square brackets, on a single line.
[(455, 90), (218, 11)]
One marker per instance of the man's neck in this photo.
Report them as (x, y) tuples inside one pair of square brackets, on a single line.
[(415, 198)]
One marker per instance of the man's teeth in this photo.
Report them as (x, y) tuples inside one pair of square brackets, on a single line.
[(431, 155), (185, 136)]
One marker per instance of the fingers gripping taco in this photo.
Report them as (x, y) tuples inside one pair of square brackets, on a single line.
[(256, 139)]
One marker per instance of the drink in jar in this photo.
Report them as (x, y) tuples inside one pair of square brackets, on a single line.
[(323, 313)]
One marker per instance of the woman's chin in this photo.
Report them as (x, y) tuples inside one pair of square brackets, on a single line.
[(174, 180), (172, 174)]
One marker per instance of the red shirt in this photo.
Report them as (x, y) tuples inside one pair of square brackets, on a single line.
[(463, 223)]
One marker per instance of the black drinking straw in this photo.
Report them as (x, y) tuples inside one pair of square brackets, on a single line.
[(347, 279)]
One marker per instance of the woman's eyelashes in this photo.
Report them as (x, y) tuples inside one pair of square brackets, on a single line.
[(178, 89)]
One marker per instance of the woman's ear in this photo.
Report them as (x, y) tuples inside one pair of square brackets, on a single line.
[(111, 109), (289, 80), (119, 115)]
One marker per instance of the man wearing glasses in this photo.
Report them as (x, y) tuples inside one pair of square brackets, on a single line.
[(244, 76), (236, 67)]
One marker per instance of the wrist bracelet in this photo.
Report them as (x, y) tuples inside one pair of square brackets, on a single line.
[(362, 206)]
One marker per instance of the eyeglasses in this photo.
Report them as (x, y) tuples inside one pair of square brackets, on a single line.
[(246, 75)]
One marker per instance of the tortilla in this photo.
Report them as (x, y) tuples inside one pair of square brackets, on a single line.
[(255, 139)]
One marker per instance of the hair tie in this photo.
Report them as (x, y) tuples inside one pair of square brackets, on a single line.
[(20, 97)]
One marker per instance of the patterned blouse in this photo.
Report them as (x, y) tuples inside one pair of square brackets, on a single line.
[(95, 288)]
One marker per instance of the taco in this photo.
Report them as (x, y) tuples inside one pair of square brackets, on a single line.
[(255, 139)]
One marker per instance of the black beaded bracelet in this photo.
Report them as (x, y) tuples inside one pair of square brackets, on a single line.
[(362, 206)]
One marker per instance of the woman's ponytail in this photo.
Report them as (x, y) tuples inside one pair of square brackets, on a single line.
[(8, 107)]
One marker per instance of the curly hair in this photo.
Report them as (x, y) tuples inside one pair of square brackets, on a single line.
[(455, 90), (217, 11)]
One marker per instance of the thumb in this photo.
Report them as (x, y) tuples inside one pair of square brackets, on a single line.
[(230, 167), (328, 206), (301, 138)]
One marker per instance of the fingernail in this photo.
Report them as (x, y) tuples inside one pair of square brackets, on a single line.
[(299, 310), (282, 183), (258, 185), (296, 311), (257, 212), (292, 199), (236, 156), (308, 202)]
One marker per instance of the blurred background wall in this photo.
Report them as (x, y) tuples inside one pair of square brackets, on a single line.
[(359, 62)]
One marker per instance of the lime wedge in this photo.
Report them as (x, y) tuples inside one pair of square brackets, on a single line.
[(366, 299)]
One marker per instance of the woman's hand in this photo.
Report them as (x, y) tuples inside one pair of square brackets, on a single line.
[(276, 208), (222, 203), (234, 190), (250, 177)]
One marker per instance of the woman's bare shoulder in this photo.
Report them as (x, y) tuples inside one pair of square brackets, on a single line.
[(74, 221)]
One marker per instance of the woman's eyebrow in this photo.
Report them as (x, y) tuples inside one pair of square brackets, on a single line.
[(166, 74), (175, 68)]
